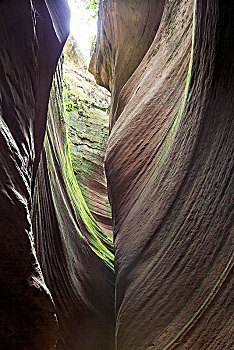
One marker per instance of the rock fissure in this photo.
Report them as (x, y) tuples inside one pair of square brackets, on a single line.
[(116, 209)]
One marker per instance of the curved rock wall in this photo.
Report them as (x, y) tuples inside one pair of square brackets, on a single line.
[(57, 280), (125, 32), (75, 255), (32, 34), (169, 166)]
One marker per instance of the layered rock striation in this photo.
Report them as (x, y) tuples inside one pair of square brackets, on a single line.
[(74, 252), (87, 120), (32, 34), (169, 166), (57, 280), (125, 32)]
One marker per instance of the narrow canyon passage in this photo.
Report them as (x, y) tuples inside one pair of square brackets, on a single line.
[(152, 269)]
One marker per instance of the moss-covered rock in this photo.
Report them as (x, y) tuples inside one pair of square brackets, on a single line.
[(86, 115)]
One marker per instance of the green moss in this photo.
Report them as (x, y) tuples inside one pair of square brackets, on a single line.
[(173, 127), (63, 183)]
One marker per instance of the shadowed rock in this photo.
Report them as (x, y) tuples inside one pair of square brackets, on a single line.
[(169, 167), (57, 280), (75, 255), (32, 35)]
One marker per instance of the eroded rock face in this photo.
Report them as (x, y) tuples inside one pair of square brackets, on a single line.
[(125, 32), (32, 35), (75, 255), (169, 167), (57, 279), (87, 121)]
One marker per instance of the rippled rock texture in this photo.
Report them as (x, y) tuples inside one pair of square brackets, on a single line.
[(57, 280), (74, 253), (32, 35), (169, 166), (125, 32)]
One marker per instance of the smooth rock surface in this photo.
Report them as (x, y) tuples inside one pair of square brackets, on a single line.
[(57, 279), (125, 32), (32, 35), (169, 166), (75, 255)]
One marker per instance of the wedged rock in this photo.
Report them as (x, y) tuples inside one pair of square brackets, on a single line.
[(169, 166), (32, 35)]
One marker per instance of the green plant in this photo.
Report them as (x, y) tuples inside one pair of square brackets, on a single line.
[(91, 5)]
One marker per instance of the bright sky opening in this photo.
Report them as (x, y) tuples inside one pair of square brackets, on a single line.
[(82, 27)]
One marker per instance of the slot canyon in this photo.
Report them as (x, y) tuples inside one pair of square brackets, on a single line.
[(116, 208)]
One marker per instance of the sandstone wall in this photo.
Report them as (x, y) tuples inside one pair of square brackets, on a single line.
[(169, 166), (32, 35), (87, 120), (125, 32), (75, 255)]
